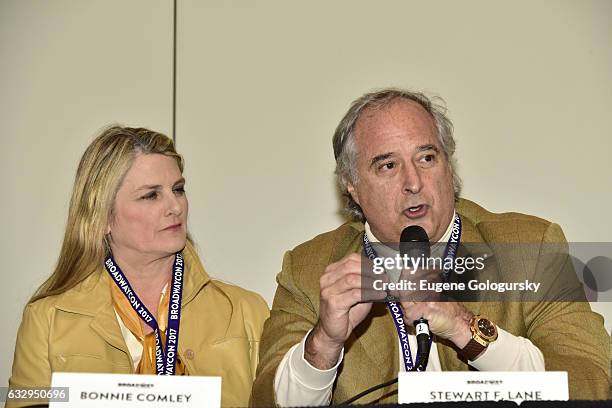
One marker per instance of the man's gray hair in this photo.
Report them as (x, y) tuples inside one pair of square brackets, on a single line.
[(345, 148)]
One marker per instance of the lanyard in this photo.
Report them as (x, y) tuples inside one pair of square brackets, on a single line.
[(451, 247), (165, 361), (395, 309)]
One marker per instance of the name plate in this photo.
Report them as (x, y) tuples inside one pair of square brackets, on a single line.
[(515, 386), (129, 390)]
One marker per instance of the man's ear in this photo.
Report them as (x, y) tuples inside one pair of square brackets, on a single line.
[(351, 189)]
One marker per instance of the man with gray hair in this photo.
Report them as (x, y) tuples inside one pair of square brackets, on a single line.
[(330, 337)]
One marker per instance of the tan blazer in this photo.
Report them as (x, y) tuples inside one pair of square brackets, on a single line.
[(571, 336), (78, 331)]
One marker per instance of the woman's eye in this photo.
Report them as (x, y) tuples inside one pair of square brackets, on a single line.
[(150, 196), (179, 190)]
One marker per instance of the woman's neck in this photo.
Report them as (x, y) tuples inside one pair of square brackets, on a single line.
[(147, 274)]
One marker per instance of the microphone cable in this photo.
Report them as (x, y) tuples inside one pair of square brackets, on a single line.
[(368, 391)]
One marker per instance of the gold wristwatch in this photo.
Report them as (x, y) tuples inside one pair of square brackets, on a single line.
[(484, 333)]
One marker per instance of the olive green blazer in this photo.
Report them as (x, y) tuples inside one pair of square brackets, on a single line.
[(571, 337)]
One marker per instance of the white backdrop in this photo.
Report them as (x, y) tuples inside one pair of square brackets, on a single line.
[(67, 68), (261, 87)]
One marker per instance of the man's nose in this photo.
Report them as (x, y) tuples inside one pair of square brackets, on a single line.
[(412, 179)]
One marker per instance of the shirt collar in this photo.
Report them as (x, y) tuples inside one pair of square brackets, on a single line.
[(443, 240), (437, 248)]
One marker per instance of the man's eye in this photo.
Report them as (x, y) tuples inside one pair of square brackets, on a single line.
[(428, 158), (387, 166), (150, 196), (179, 190)]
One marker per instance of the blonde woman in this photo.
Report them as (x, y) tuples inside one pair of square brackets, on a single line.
[(128, 277)]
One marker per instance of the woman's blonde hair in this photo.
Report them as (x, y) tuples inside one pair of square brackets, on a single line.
[(99, 176)]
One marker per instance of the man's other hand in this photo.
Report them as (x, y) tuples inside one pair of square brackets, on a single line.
[(346, 297)]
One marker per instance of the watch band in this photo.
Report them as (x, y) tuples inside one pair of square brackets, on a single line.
[(472, 350)]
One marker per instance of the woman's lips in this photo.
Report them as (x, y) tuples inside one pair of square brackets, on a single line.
[(174, 227), (416, 211)]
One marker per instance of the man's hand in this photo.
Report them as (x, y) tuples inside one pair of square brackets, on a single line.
[(449, 320), (345, 301)]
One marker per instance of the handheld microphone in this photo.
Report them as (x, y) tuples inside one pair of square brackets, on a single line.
[(423, 344), (414, 243)]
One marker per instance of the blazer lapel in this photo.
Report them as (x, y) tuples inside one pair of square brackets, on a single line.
[(195, 275), (93, 298), (105, 324)]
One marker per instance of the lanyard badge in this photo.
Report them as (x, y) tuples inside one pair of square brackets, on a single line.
[(165, 360)]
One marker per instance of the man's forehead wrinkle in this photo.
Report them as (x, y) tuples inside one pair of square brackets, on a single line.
[(369, 142)]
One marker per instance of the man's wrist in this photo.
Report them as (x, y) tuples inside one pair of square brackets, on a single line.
[(463, 334), (320, 351)]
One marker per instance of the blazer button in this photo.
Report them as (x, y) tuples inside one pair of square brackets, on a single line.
[(189, 354)]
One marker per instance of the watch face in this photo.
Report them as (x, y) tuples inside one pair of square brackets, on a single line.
[(487, 329)]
